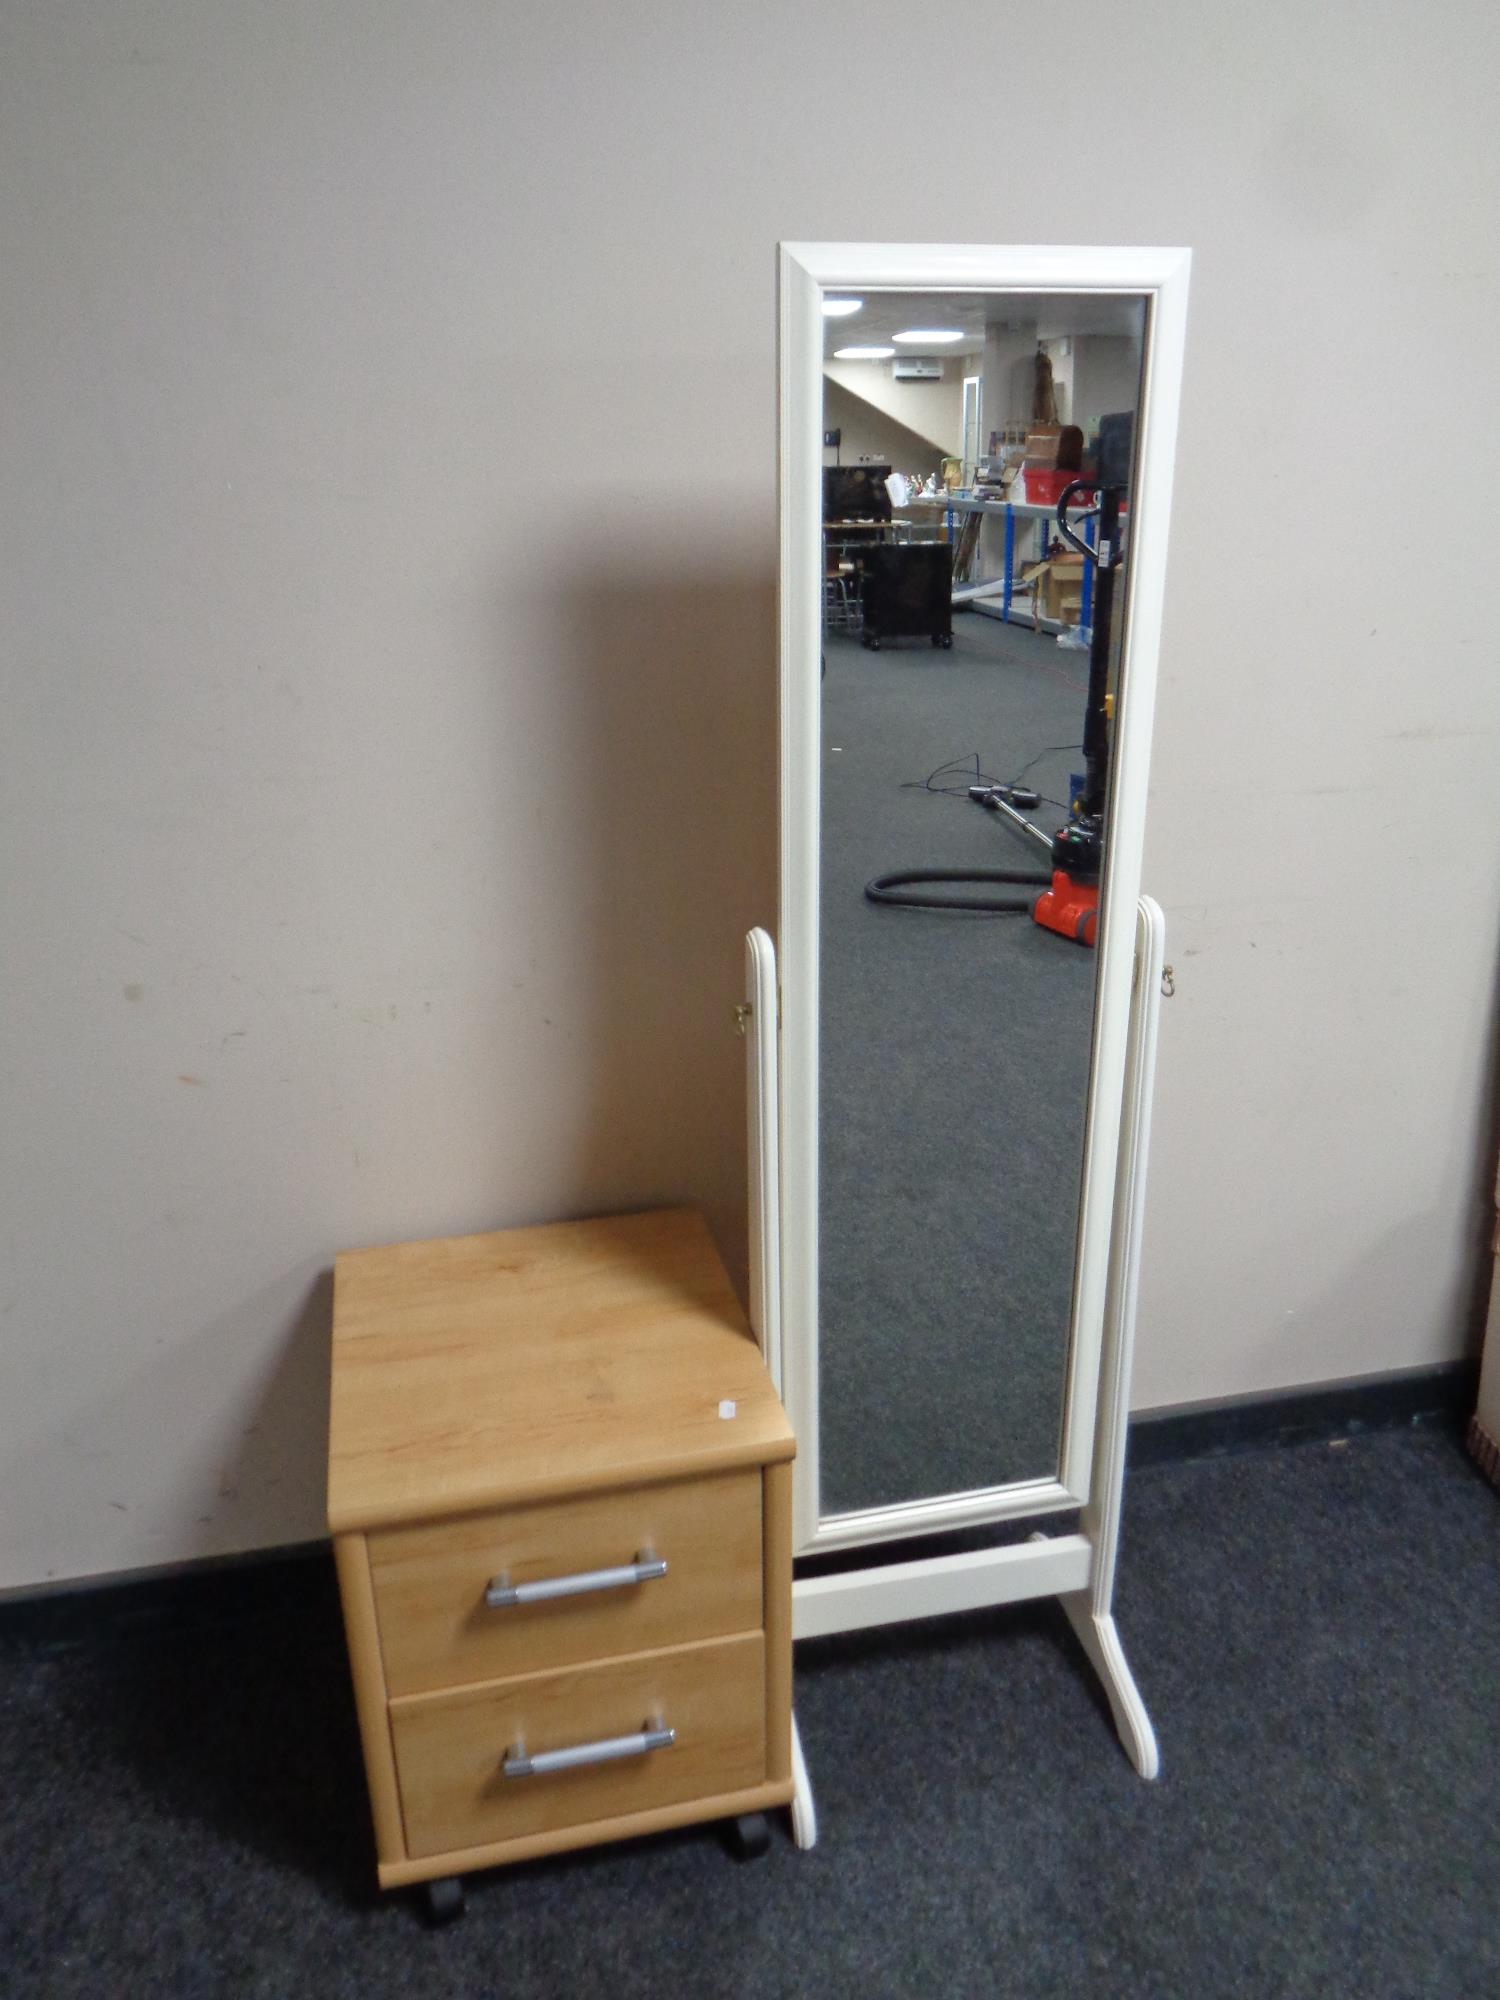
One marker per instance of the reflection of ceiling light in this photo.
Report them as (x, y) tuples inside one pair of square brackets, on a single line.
[(929, 336), (863, 353), (840, 308)]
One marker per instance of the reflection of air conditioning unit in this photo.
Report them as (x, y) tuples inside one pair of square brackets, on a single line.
[(913, 369)]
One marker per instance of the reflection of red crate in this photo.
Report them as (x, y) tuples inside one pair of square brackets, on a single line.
[(1045, 487)]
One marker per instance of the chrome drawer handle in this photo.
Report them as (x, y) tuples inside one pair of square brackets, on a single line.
[(501, 1592), (608, 1750)]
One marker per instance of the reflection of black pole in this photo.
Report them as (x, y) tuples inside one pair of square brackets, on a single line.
[(1105, 556), (1095, 719)]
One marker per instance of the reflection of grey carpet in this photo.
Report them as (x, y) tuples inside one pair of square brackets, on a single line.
[(954, 1054)]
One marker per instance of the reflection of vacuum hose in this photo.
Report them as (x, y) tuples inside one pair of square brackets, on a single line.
[(1001, 799), (888, 888)]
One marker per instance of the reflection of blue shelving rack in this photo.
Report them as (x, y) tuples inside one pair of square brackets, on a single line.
[(1001, 593)]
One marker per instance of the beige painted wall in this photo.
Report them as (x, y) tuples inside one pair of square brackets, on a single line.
[(870, 434), (934, 410), (381, 829), (1009, 375), (1106, 376)]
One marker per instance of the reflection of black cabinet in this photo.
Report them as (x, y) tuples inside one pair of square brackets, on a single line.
[(908, 592)]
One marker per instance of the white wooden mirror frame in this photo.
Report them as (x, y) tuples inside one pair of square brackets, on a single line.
[(783, 1067), (807, 269)]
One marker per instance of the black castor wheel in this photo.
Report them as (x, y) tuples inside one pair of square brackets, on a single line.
[(443, 1900), (947, 642), (749, 1836)]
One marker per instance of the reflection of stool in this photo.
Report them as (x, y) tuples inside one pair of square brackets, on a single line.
[(839, 607)]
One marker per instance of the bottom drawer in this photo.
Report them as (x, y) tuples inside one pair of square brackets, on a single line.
[(451, 1747)]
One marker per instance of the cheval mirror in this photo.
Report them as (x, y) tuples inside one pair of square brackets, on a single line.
[(951, 1040)]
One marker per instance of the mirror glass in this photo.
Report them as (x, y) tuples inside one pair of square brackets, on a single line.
[(971, 646)]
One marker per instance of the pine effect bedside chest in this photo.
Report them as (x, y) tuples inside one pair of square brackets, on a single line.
[(559, 1491)]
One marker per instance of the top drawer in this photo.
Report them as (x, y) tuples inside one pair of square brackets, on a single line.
[(436, 1629)]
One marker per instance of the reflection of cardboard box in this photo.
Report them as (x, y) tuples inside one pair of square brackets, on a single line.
[(1054, 447), (1058, 584)]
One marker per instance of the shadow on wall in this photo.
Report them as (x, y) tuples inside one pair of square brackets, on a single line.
[(657, 835), (279, 1464), (247, 1452)]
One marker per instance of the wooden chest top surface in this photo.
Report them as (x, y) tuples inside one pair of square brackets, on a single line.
[(479, 1371)]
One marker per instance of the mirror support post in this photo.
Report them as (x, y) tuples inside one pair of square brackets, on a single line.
[(756, 1016), (1091, 1611)]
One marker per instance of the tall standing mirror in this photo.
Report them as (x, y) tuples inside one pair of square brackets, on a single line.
[(976, 461)]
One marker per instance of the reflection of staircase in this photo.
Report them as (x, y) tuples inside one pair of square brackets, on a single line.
[(905, 446)]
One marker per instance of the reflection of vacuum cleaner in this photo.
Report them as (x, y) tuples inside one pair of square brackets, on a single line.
[(1071, 906), (1069, 903)]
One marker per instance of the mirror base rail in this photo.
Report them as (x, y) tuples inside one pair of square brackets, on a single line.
[(850, 1600)]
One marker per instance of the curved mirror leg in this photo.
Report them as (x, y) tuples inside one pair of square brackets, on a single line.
[(1091, 1611), (1100, 1639)]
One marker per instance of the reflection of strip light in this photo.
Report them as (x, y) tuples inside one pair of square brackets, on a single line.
[(928, 336), (863, 353), (840, 308)]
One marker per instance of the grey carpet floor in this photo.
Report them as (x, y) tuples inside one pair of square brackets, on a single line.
[(954, 1066), (1315, 1630)]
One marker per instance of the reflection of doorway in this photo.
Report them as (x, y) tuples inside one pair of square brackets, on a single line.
[(973, 420)]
